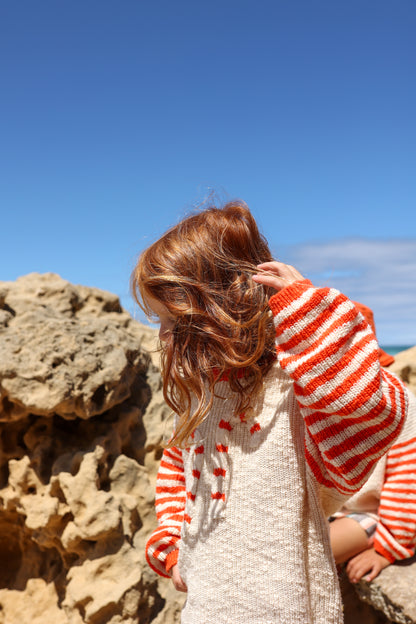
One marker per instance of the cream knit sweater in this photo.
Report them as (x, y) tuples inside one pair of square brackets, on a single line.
[(243, 510)]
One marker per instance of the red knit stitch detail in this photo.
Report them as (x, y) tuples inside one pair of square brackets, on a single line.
[(218, 496), (199, 449), (221, 448), (219, 472), (187, 518), (224, 424), (254, 428), (196, 474), (190, 496)]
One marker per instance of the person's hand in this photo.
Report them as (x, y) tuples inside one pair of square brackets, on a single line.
[(276, 274), (177, 580), (368, 562)]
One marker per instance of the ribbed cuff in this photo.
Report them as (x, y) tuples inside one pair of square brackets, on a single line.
[(384, 553), (171, 559)]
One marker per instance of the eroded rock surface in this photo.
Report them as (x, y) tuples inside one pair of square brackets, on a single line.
[(82, 418), (405, 366), (65, 350), (392, 593), (389, 598)]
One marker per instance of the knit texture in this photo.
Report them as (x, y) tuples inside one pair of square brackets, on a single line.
[(390, 492), (246, 503)]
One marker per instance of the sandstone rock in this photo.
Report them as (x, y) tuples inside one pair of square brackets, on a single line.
[(82, 421), (405, 366), (356, 610), (68, 351), (389, 598), (392, 592), (37, 604)]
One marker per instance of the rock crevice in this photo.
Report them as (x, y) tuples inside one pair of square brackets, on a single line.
[(82, 419)]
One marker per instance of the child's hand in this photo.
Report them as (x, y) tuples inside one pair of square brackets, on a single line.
[(367, 562), (177, 580), (276, 274)]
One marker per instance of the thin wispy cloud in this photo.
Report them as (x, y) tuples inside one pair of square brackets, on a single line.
[(378, 273)]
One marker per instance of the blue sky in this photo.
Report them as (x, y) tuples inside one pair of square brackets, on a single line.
[(118, 117)]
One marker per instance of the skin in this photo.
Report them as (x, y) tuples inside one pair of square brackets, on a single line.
[(368, 563), (177, 581), (274, 274), (277, 275), (349, 543), (348, 538)]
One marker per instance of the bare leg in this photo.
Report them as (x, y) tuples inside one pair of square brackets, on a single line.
[(348, 538)]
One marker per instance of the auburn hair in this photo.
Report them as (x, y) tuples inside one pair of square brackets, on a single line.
[(201, 271)]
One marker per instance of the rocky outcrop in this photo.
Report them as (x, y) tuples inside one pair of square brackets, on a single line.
[(393, 592), (65, 350), (82, 418), (389, 598), (405, 366)]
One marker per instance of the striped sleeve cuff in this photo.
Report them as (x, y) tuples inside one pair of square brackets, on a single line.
[(171, 559), (386, 545)]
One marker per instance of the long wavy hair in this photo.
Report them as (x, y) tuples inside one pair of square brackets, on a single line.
[(201, 271)]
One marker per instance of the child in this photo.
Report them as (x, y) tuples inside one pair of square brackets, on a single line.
[(377, 526), (281, 410)]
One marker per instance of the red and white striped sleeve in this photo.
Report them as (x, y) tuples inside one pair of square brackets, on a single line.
[(396, 530), (395, 536), (162, 547), (353, 409)]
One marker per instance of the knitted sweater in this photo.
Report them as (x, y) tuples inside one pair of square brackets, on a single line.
[(243, 509), (390, 492)]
